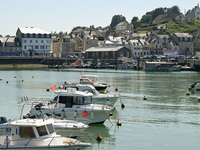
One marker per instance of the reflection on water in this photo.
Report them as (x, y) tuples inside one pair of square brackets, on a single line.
[(168, 119)]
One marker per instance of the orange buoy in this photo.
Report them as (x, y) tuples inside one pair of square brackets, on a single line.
[(187, 93), (116, 89), (99, 137), (15, 76), (144, 98), (22, 80), (119, 123)]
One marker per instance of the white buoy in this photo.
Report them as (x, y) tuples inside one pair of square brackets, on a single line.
[(198, 99)]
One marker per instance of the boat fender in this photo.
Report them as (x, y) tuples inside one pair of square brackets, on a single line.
[(53, 115), (75, 113), (63, 113), (107, 101), (84, 113), (92, 115)]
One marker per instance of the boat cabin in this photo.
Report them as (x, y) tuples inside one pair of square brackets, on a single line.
[(31, 128), (93, 78), (84, 80), (70, 96)]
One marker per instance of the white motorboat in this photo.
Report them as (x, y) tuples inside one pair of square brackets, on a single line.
[(5, 126), (98, 98), (93, 80), (37, 133), (72, 104), (196, 86)]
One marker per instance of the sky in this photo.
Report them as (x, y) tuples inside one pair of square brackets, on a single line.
[(64, 15)]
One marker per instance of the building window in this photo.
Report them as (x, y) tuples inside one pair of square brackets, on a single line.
[(24, 46), (36, 41), (41, 47), (24, 41), (13, 49), (30, 41), (70, 50), (158, 42), (47, 41), (47, 47), (41, 41), (36, 47), (70, 44)]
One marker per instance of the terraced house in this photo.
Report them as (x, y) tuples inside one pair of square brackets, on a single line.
[(10, 46)]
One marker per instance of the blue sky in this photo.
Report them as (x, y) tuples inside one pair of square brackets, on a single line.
[(63, 15)]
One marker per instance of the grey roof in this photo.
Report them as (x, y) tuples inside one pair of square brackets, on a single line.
[(34, 30), (121, 23), (183, 35), (105, 48)]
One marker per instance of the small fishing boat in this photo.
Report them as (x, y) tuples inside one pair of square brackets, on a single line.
[(37, 133), (93, 80), (71, 104)]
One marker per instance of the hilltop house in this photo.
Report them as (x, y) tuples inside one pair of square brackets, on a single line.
[(123, 26), (35, 41)]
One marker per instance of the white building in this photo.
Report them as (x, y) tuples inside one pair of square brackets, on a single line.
[(135, 47), (35, 41)]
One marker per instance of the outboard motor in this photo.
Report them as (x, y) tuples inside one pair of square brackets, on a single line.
[(3, 120)]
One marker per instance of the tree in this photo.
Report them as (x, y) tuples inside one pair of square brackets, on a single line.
[(134, 19), (157, 12), (146, 19), (100, 38), (175, 9), (116, 19)]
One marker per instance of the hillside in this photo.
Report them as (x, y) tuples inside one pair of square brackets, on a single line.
[(173, 27)]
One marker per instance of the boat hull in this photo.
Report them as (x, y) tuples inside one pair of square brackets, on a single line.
[(92, 116)]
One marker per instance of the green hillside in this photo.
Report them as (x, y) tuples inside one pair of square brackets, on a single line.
[(173, 27)]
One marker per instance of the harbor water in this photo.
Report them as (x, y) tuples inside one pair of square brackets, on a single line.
[(168, 119)]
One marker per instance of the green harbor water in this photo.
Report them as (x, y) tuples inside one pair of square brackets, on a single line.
[(167, 120)]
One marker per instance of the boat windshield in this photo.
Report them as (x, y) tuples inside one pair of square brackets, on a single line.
[(50, 128), (85, 81), (42, 131), (26, 132)]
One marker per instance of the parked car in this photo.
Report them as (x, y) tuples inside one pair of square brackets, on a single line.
[(188, 57), (145, 57), (69, 56)]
